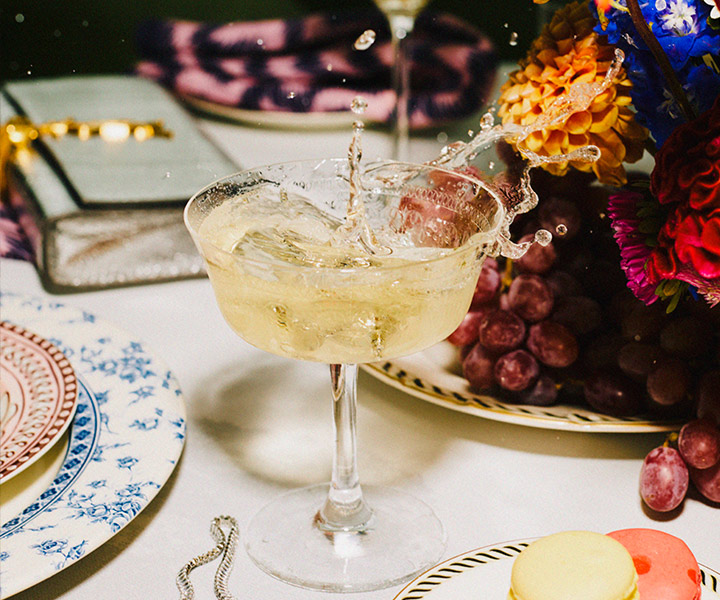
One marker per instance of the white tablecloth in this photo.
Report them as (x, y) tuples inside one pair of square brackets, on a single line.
[(259, 425)]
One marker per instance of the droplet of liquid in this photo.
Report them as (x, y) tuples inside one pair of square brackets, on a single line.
[(543, 237), (561, 229), (513, 38), (291, 95), (260, 42), (491, 165), (19, 18), (470, 133), (660, 5), (366, 39), (358, 105), (487, 121), (167, 174)]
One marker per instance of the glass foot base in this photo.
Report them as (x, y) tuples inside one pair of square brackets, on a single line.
[(403, 538)]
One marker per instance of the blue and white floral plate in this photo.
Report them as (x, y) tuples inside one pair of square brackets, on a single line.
[(124, 442)]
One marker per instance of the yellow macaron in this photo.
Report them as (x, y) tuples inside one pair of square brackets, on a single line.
[(574, 565)]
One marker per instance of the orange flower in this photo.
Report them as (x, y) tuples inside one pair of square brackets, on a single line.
[(568, 52)]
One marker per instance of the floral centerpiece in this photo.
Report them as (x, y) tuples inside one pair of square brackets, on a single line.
[(621, 311)]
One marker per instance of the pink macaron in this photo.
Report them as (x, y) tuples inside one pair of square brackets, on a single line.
[(666, 568)]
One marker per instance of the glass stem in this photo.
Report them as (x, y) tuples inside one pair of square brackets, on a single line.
[(401, 25), (344, 508)]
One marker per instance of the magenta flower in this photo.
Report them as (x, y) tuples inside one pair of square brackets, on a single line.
[(623, 210)]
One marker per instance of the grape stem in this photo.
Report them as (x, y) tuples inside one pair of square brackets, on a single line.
[(670, 440), (507, 277)]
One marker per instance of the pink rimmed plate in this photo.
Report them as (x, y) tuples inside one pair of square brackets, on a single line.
[(38, 395)]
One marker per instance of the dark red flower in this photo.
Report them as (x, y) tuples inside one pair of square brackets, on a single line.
[(686, 179)]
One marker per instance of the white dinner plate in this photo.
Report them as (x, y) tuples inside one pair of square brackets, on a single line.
[(485, 573), (124, 441), (38, 396), (434, 375), (274, 119)]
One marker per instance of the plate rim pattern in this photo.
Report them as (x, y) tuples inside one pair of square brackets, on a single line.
[(425, 583), (399, 374), (51, 431)]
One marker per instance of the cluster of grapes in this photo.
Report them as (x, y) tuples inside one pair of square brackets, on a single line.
[(667, 470), (559, 324)]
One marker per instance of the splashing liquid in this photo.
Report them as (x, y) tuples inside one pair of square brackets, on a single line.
[(513, 191), (521, 198), (355, 230)]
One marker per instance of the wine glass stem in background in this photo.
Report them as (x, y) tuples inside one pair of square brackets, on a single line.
[(344, 508), (401, 25)]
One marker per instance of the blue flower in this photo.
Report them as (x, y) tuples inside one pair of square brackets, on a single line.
[(127, 462), (146, 424), (146, 391), (97, 511), (682, 29), (50, 546), (76, 551)]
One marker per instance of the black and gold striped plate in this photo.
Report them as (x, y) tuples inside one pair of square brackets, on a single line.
[(434, 375), (485, 573)]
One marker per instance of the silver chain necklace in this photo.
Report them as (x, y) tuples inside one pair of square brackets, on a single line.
[(225, 546)]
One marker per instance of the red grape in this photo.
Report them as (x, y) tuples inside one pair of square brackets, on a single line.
[(612, 393), (637, 360), (478, 368), (530, 297), (601, 351), (668, 384), (579, 314), (664, 479), (543, 393), (686, 337), (501, 331), (538, 259), (504, 303), (553, 344), (467, 332), (516, 370), (708, 397), (488, 284), (563, 284), (699, 443), (464, 351), (643, 322), (707, 481)]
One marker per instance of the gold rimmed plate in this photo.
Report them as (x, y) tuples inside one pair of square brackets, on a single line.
[(273, 119), (433, 375), (38, 398), (485, 573)]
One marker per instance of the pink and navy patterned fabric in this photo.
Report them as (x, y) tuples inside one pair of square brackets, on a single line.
[(13, 241), (310, 64)]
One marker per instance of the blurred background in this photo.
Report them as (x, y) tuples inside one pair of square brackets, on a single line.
[(41, 38)]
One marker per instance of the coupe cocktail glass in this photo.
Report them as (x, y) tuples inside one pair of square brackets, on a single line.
[(296, 276)]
